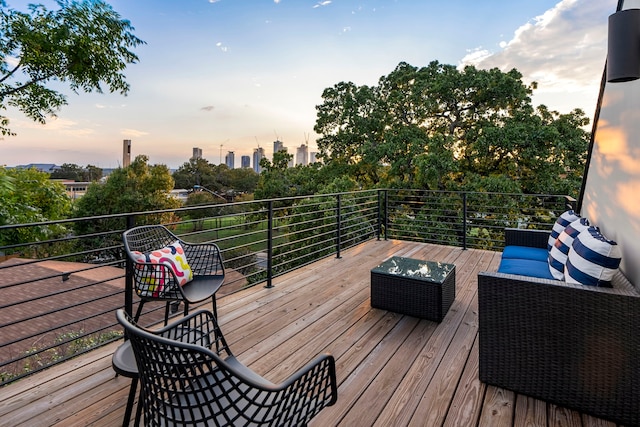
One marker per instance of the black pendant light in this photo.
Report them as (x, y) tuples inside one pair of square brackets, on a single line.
[(623, 58)]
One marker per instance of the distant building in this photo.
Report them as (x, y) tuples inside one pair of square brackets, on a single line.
[(126, 153), (230, 159), (278, 146), (180, 194), (302, 155), (291, 163), (197, 153), (312, 157), (258, 154), (245, 162), (75, 190)]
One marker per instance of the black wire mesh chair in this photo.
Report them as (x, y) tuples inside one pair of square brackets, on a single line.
[(204, 260), (186, 383)]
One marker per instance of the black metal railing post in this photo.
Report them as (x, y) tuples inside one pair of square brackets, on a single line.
[(386, 214), (378, 231), (464, 220), (338, 225), (128, 279), (270, 246)]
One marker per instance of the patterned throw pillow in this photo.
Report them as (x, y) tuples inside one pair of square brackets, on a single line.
[(559, 251), (561, 223), (592, 260), (174, 257)]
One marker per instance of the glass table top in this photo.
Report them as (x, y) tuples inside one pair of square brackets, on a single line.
[(415, 269)]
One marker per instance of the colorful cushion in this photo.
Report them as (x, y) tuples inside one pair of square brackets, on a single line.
[(561, 223), (172, 256), (525, 252), (557, 256), (525, 267), (592, 260)]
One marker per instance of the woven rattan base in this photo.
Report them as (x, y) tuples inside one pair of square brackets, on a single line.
[(418, 296)]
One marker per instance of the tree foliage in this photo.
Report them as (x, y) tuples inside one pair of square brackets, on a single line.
[(139, 187), (136, 188), (28, 196), (85, 44), (440, 127), (77, 173), (217, 178)]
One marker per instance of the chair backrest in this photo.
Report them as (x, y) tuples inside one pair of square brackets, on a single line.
[(146, 238), (151, 279), (186, 384)]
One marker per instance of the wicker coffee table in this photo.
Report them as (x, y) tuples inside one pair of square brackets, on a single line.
[(424, 289)]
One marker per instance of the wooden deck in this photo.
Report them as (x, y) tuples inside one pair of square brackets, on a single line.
[(393, 370)]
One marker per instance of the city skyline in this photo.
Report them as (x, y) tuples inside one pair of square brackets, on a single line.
[(233, 76)]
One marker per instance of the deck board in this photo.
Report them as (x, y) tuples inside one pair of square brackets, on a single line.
[(393, 370)]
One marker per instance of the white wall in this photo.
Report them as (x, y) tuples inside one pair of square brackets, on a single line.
[(611, 198)]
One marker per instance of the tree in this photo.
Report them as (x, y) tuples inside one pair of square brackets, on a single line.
[(217, 178), (85, 44), (28, 196), (139, 187), (279, 180), (77, 173), (444, 128)]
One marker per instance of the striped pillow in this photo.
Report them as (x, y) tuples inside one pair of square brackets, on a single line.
[(592, 260), (561, 223), (557, 257)]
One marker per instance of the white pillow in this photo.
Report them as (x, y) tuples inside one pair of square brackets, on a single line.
[(559, 251), (593, 259), (558, 227)]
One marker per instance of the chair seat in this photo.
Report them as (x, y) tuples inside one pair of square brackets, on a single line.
[(201, 287), (124, 361)]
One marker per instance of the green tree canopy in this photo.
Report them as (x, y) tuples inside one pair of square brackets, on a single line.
[(138, 187), (77, 173), (279, 180), (217, 178), (29, 196), (85, 44), (440, 127)]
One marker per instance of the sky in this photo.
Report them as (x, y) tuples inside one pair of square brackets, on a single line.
[(232, 75)]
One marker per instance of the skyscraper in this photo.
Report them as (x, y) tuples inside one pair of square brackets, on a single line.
[(258, 153), (197, 153), (230, 159), (245, 161), (302, 155), (278, 146)]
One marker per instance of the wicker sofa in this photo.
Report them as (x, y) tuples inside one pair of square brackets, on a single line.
[(572, 345)]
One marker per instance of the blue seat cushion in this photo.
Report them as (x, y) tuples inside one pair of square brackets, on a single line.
[(525, 267), (525, 252)]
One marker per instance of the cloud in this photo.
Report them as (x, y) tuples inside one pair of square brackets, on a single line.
[(208, 108), (214, 1), (133, 133), (563, 49), (222, 47), (322, 3)]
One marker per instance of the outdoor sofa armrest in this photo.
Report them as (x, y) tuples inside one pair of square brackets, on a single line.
[(573, 345), (526, 237)]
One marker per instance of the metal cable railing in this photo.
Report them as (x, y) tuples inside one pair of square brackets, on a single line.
[(60, 290)]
